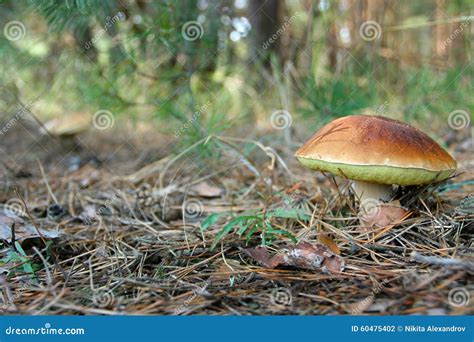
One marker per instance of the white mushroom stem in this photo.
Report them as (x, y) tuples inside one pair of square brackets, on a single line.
[(370, 194)]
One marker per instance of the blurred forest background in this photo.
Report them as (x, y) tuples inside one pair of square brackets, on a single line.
[(137, 135), (196, 68)]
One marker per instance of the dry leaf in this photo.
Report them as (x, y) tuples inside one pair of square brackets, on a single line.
[(305, 255), (22, 229), (387, 214), (261, 255), (328, 241), (204, 189), (225, 271)]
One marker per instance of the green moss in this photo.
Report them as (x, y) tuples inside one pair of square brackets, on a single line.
[(377, 173)]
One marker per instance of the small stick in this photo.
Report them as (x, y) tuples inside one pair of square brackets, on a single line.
[(432, 260), (13, 237), (46, 182), (46, 266)]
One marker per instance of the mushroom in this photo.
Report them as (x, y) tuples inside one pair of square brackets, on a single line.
[(376, 152), (68, 126)]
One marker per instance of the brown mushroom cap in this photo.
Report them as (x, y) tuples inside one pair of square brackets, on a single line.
[(378, 150)]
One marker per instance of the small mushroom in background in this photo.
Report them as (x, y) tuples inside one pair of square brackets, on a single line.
[(376, 152), (65, 129)]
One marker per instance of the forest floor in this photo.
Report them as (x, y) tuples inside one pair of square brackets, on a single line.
[(119, 226)]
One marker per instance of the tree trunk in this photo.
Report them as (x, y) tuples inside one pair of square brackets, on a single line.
[(265, 37)]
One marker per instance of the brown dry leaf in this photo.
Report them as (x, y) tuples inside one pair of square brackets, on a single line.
[(22, 229), (333, 264), (328, 241), (261, 255), (387, 214), (225, 271), (204, 189), (305, 255)]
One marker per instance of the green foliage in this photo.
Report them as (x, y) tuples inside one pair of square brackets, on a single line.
[(160, 273), (119, 49), (209, 221), (75, 14), (426, 94), (143, 65), (250, 224), (335, 97), (19, 257)]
